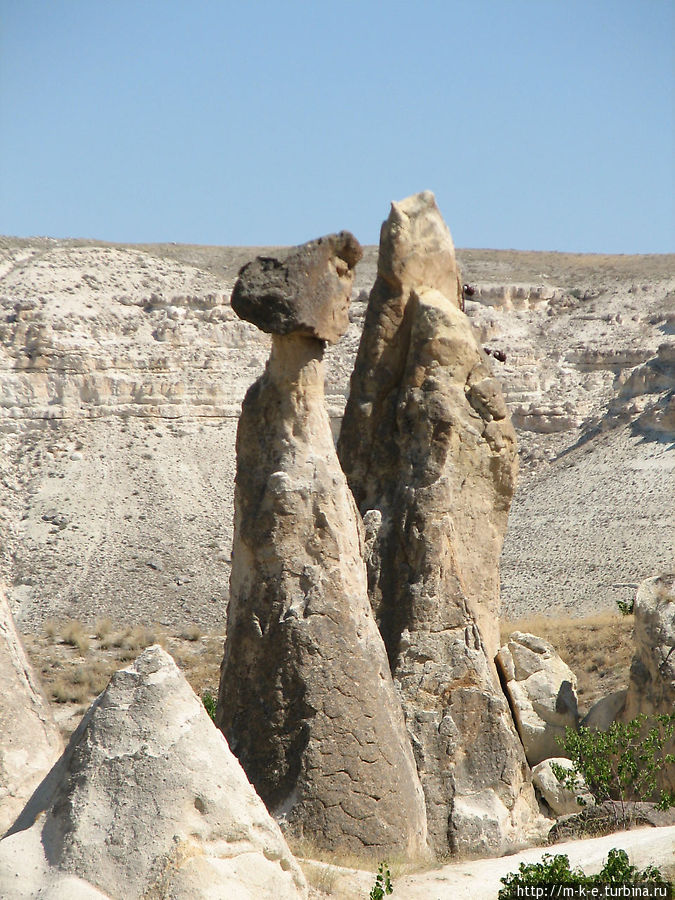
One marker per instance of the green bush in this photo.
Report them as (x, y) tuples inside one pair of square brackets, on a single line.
[(382, 884), (626, 607), (209, 702), (555, 870), (622, 763)]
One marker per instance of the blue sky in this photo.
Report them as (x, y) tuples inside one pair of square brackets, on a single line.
[(539, 124)]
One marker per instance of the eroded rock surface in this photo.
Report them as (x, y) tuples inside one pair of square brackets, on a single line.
[(430, 454), (306, 700), (605, 711), (542, 691), (651, 689), (147, 801), (123, 368), (561, 800), (301, 292), (30, 742)]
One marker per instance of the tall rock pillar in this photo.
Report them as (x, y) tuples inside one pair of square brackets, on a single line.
[(306, 699), (430, 455)]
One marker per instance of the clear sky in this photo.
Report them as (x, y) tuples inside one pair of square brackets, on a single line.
[(539, 124)]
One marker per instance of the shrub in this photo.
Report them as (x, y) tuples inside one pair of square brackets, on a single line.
[(191, 633), (555, 870), (74, 635), (209, 702), (622, 763), (103, 628), (382, 884)]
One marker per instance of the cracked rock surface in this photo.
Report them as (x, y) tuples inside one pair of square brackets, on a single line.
[(306, 698), (427, 443), (147, 801)]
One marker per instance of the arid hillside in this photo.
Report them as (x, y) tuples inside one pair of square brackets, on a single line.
[(122, 370)]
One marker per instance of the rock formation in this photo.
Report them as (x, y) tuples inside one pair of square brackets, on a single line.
[(306, 698), (560, 800), (123, 368), (605, 711), (647, 396), (147, 801), (651, 689), (430, 455), (30, 742), (542, 693)]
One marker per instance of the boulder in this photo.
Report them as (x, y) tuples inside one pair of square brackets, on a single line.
[(147, 801), (542, 693), (561, 800), (301, 292), (306, 700), (651, 687), (605, 711), (30, 742), (430, 455)]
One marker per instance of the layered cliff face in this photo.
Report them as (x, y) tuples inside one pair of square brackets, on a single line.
[(122, 371), (427, 444), (306, 698)]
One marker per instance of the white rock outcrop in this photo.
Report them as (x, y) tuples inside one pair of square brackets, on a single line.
[(605, 711), (430, 455), (542, 692), (651, 688), (30, 742), (561, 800), (147, 801)]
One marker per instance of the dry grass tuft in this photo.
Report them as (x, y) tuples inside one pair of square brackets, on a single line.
[(50, 629), (132, 640), (103, 628), (191, 633), (598, 649), (73, 634), (321, 877), (64, 691)]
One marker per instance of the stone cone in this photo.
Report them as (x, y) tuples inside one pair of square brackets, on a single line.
[(30, 742), (147, 801), (430, 455)]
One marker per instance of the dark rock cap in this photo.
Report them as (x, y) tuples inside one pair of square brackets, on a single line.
[(305, 291)]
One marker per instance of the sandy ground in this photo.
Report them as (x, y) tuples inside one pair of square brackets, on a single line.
[(480, 879)]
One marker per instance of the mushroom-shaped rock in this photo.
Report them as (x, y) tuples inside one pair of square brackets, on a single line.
[(542, 693), (306, 697), (147, 801), (305, 291), (30, 742)]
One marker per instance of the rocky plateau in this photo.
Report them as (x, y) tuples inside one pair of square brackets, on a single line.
[(123, 368)]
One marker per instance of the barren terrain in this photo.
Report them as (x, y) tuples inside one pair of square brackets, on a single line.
[(121, 373)]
